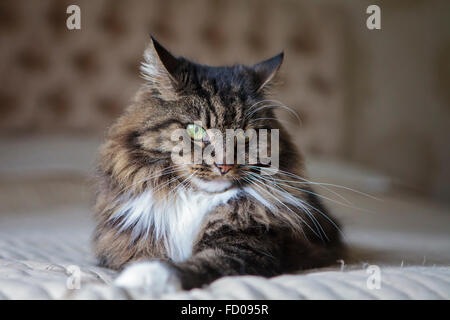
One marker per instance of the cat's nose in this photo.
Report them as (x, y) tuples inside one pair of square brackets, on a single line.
[(224, 168)]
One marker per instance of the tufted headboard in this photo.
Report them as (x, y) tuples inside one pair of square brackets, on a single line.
[(60, 80)]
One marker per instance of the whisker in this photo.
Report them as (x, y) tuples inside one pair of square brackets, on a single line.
[(162, 173), (314, 208), (322, 184), (261, 119), (169, 182), (259, 102), (303, 179), (183, 184), (301, 207), (310, 192), (278, 200), (277, 104)]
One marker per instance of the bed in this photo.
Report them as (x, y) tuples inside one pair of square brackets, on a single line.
[(399, 243)]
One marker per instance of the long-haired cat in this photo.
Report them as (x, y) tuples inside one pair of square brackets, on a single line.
[(172, 225)]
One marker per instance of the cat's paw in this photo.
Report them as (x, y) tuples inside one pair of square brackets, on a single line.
[(153, 277)]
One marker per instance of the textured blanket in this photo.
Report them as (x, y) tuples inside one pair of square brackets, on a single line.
[(399, 245), (42, 268), (49, 257)]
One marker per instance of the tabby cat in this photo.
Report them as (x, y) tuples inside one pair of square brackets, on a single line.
[(172, 226)]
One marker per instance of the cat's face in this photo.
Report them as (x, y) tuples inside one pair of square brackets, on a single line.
[(206, 105)]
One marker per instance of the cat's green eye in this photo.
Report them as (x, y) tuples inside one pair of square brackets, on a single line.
[(196, 132)]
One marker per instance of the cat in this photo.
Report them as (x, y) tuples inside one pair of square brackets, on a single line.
[(168, 226)]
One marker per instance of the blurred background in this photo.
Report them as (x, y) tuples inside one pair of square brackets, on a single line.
[(375, 104)]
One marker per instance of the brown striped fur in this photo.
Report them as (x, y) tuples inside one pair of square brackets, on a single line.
[(240, 237)]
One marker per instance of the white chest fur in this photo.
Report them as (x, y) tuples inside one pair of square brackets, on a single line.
[(177, 222)]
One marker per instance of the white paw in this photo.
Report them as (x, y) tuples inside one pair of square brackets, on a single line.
[(153, 277)]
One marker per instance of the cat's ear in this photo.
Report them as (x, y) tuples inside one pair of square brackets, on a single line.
[(266, 70), (160, 70)]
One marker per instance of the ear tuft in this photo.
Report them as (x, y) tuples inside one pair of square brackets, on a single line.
[(266, 70), (159, 69)]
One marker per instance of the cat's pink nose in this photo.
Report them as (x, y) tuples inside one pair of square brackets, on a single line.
[(224, 168)]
